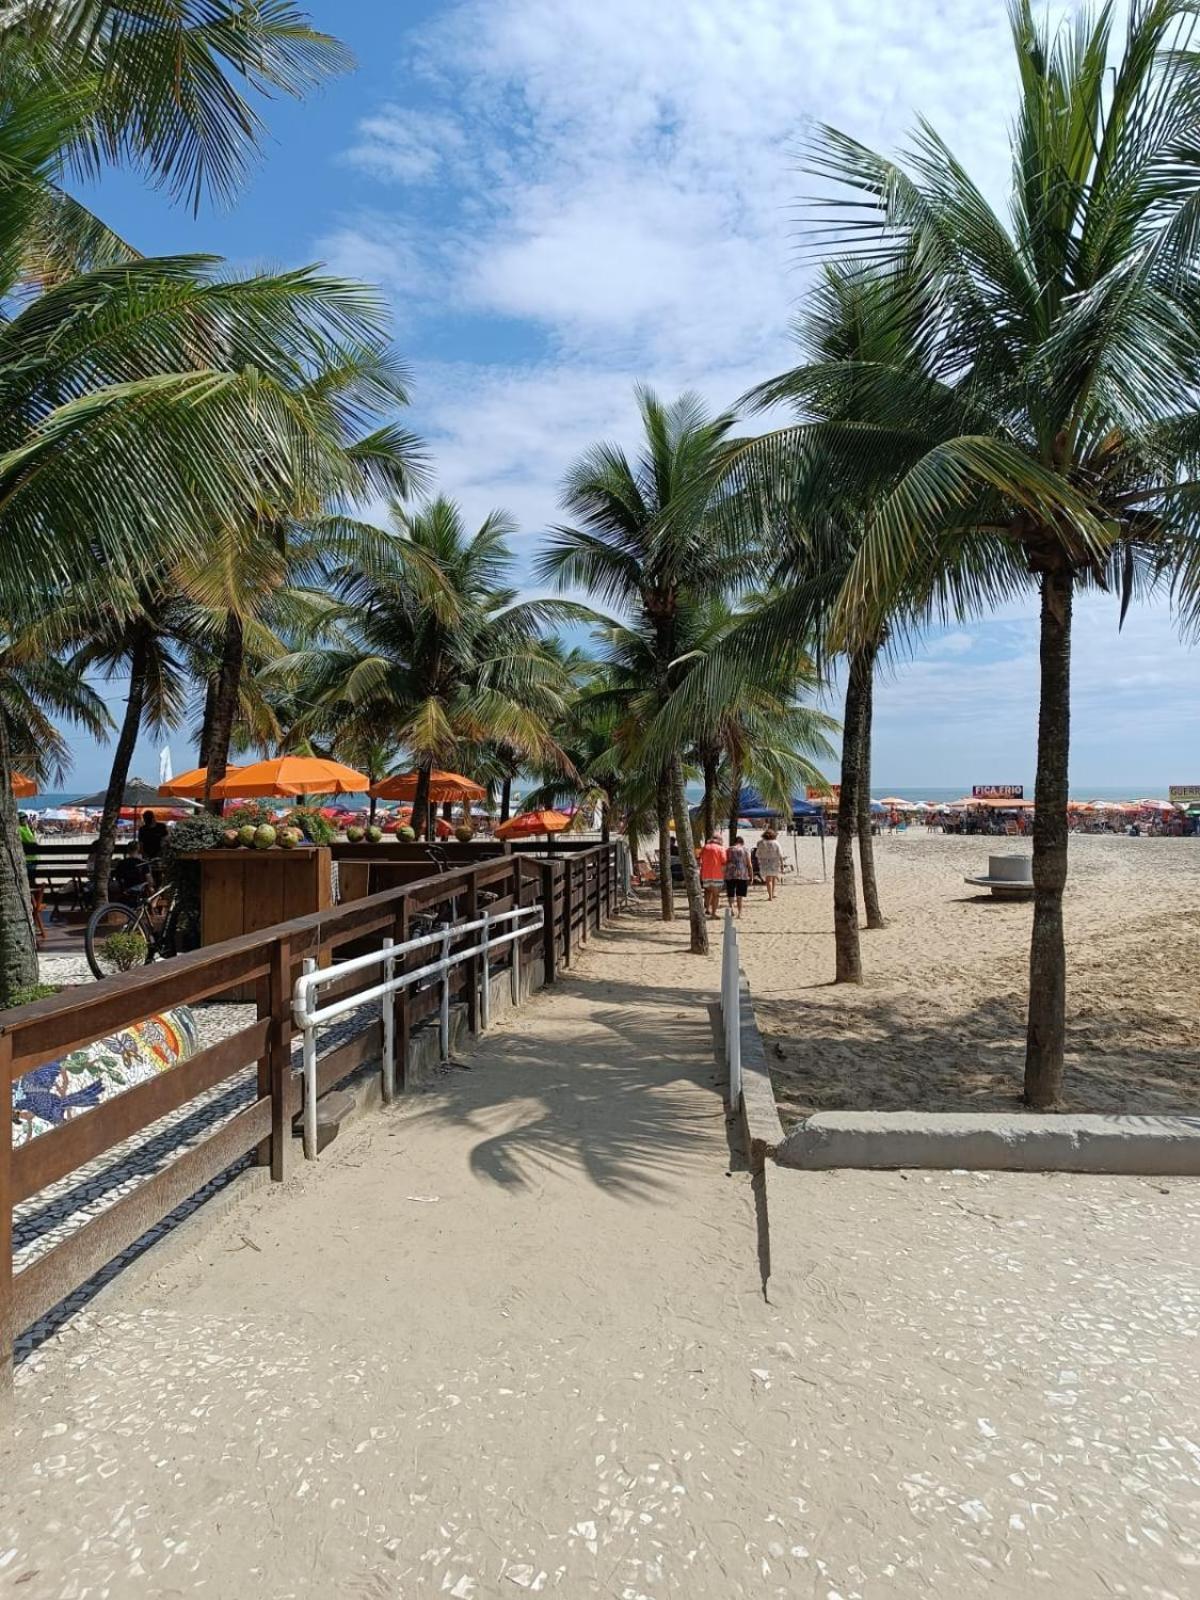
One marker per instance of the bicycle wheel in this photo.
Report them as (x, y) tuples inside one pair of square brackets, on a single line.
[(105, 957)]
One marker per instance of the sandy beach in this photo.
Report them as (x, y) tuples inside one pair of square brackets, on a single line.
[(939, 1020)]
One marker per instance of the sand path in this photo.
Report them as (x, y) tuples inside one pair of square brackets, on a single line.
[(510, 1337)]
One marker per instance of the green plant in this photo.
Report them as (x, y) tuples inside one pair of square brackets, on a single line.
[(33, 991), (317, 829), (199, 832), (125, 950)]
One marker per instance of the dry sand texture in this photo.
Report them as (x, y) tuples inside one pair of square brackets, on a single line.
[(940, 1020), (509, 1338)]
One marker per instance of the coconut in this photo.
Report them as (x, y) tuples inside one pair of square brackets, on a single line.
[(245, 836), (374, 834), (464, 834), (231, 839), (354, 835), (406, 833), (264, 837), (289, 838)]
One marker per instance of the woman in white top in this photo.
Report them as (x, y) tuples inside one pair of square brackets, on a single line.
[(770, 861)]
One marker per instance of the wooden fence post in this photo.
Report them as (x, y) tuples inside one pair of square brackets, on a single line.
[(568, 910), (583, 926), (8, 1331), (280, 1059), (549, 923)]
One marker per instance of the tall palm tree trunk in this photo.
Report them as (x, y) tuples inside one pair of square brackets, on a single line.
[(122, 758), (229, 684), (688, 862), (506, 797), (666, 880), (1045, 1037), (866, 839), (18, 944), (735, 795), (422, 811), (605, 819), (710, 794), (210, 711), (847, 954)]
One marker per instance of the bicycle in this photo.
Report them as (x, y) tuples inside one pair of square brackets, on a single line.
[(153, 917)]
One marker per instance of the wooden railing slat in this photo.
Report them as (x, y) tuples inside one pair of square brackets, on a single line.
[(56, 1274)]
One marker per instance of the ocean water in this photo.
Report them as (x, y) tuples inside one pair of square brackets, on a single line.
[(1151, 790)]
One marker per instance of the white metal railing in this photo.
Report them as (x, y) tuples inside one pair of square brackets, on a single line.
[(731, 1007), (309, 1017)]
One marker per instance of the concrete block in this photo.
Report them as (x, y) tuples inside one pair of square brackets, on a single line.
[(1013, 1142)]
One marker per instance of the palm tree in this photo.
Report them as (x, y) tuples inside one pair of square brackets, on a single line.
[(1048, 430), (251, 567), (644, 544), (144, 402), (430, 648), (1066, 337), (137, 633)]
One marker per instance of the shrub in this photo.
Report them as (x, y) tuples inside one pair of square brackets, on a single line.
[(125, 950), (199, 832)]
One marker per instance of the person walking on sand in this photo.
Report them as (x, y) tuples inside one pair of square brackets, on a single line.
[(737, 874), (770, 860), (712, 874)]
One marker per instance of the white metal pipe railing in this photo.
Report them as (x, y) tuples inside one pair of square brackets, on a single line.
[(731, 1008), (308, 1017)]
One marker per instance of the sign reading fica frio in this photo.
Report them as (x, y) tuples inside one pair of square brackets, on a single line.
[(998, 791), (1184, 794)]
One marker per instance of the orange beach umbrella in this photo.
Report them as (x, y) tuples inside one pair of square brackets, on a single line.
[(24, 788), (288, 775), (442, 786), (530, 823), (190, 785)]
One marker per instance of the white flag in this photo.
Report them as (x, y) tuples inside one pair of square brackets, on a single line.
[(165, 772)]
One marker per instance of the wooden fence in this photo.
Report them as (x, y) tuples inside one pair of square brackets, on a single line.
[(579, 890)]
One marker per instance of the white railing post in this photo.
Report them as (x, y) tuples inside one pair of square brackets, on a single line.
[(444, 1019), (731, 1007), (387, 1017), (310, 1078), (485, 991), (516, 964), (308, 1014)]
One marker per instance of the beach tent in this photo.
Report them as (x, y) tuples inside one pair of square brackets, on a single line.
[(753, 806), (805, 808)]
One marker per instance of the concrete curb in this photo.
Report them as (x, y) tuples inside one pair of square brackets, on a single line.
[(759, 1114), (1138, 1146)]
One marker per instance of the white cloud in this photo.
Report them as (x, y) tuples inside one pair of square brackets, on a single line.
[(616, 193), (401, 145)]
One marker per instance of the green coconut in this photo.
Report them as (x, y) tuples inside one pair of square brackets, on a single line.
[(374, 834), (264, 837), (354, 835), (245, 836)]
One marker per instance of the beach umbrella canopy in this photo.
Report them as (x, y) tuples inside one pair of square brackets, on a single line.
[(288, 775), (190, 785), (137, 792), (894, 800), (24, 788), (173, 813), (65, 814), (443, 786), (530, 823), (804, 808)]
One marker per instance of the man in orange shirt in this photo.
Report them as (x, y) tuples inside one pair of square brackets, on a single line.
[(712, 874)]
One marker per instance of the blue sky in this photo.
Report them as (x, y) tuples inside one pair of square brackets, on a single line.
[(561, 198)]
